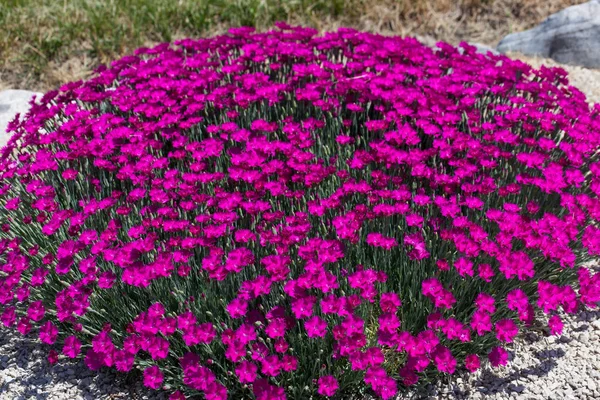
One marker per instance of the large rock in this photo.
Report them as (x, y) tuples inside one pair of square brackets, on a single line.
[(571, 36), (11, 103)]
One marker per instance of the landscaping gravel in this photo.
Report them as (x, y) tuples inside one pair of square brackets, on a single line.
[(541, 367), (25, 374)]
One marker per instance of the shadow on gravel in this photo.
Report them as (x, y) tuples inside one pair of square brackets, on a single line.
[(491, 383), (25, 374)]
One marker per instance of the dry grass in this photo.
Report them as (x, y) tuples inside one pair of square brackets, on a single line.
[(44, 43)]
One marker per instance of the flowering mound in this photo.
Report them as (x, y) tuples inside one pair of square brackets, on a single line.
[(286, 215)]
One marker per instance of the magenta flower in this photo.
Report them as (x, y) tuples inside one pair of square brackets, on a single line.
[(315, 327), (472, 362), (153, 377), (498, 356), (48, 333), (444, 361), (8, 317), (303, 307), (177, 395), (124, 360), (481, 322), (328, 385), (271, 366), (93, 360), (517, 300), (24, 326), (52, 357), (36, 311), (464, 266), (389, 302), (506, 330), (237, 308), (485, 303), (246, 372), (556, 325), (72, 347)]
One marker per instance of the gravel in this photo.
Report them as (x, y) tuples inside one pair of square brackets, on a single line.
[(25, 374), (541, 367), (585, 79)]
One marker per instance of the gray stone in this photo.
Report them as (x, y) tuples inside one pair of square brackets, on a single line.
[(11, 103), (571, 36), (481, 48)]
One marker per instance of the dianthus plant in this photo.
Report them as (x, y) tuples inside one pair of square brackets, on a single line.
[(291, 215)]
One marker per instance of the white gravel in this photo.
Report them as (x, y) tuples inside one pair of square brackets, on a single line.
[(540, 367), (25, 374)]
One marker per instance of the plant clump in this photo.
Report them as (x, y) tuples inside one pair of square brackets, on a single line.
[(287, 215)]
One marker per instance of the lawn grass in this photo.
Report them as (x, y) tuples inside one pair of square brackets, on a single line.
[(44, 43)]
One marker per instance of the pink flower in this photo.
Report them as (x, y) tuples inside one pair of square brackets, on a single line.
[(315, 327), (506, 330), (498, 356), (48, 333), (8, 316), (276, 328), (215, 391), (517, 300), (556, 325), (464, 266), (303, 307), (481, 322), (124, 360), (271, 365), (71, 347), (69, 174), (237, 308), (434, 290), (389, 302), (444, 361), (24, 326), (177, 395), (36, 311), (472, 362), (264, 391), (485, 303), (289, 363), (388, 323), (246, 372), (328, 385), (12, 204), (485, 272), (153, 377), (378, 240), (159, 348), (443, 265), (245, 334), (93, 360), (281, 346), (106, 280), (52, 357)]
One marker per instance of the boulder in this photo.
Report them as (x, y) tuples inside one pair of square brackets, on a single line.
[(571, 36), (481, 48), (12, 102)]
